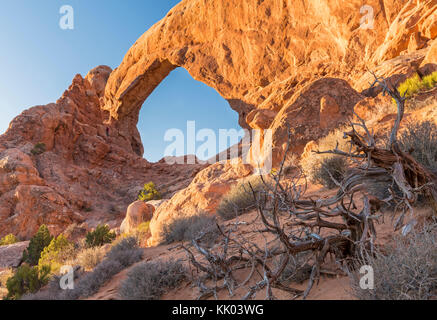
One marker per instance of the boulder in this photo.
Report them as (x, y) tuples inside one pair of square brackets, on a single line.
[(137, 213), (11, 255)]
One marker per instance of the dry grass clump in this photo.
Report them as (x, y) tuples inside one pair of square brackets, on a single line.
[(189, 228), (240, 199), (89, 258), (4, 276), (150, 280), (326, 169), (405, 271), (420, 139)]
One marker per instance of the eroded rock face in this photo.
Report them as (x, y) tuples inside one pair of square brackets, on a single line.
[(202, 195), (260, 54), (63, 163)]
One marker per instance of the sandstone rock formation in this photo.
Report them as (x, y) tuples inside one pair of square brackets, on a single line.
[(279, 63), (261, 57), (137, 213), (11, 255), (62, 164), (202, 195)]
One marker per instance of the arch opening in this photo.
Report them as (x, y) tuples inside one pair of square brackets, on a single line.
[(174, 104)]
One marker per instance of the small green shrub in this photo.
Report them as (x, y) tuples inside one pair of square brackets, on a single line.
[(38, 149), (27, 279), (100, 236), (240, 199), (420, 139), (190, 228), (56, 254), (36, 246), (329, 170), (149, 193), (415, 84), (8, 239), (150, 280)]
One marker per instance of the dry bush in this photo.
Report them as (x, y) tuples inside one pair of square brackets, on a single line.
[(189, 228), (89, 258), (316, 166), (405, 271), (150, 280), (330, 171), (239, 199), (4, 276), (420, 140)]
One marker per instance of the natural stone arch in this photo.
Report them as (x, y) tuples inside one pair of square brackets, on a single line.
[(258, 58)]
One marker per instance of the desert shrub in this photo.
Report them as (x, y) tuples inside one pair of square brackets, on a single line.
[(27, 279), (8, 239), (100, 236), (415, 84), (126, 252), (121, 256), (38, 149), (315, 165), (420, 140), (329, 171), (149, 192), (36, 246), (189, 228), (150, 280), (240, 198), (407, 270), (89, 258), (141, 233), (56, 254)]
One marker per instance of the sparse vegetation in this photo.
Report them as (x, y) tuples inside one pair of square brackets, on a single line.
[(100, 236), (239, 199), (38, 149), (89, 258), (405, 271), (330, 171), (150, 280), (321, 168), (149, 192), (56, 254), (8, 239), (36, 246), (27, 279), (121, 256), (189, 228), (415, 84), (420, 139)]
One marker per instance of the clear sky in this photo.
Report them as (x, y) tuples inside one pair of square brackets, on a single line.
[(38, 60)]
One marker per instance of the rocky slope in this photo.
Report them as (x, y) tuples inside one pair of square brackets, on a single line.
[(279, 63)]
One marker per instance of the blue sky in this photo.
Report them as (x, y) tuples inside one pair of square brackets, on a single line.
[(38, 60)]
